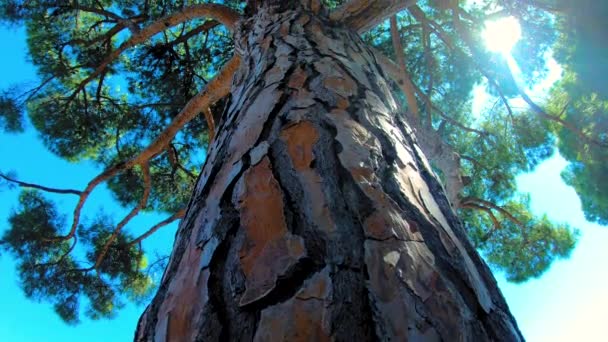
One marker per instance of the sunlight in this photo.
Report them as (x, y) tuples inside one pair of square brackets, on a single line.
[(502, 34)]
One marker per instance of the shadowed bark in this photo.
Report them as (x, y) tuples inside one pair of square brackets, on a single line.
[(316, 217)]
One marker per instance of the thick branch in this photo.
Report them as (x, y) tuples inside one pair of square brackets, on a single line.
[(213, 91), (40, 187), (428, 58), (216, 89), (178, 215), (504, 212), (363, 15)]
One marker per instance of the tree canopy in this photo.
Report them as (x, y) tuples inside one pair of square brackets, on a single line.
[(137, 87)]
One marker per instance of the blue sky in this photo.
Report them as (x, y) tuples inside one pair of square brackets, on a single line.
[(568, 303)]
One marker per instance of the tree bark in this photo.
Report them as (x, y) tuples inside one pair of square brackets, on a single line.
[(316, 216)]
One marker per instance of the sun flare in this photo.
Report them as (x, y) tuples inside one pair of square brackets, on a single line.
[(502, 34)]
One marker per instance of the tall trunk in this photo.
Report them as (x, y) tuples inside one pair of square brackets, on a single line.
[(316, 217)]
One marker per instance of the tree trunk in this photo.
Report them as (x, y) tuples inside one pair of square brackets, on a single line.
[(316, 216)]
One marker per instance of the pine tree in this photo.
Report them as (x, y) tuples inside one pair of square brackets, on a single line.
[(339, 150)]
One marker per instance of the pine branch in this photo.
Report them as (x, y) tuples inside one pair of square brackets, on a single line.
[(208, 25), (488, 211), (40, 187), (456, 10), (221, 13), (178, 215), (572, 128), (141, 205), (213, 91), (419, 15), (488, 204)]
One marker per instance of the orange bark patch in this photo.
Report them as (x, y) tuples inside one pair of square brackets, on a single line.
[(269, 250), (386, 221), (284, 30), (342, 85), (300, 139), (297, 78), (303, 318), (342, 103)]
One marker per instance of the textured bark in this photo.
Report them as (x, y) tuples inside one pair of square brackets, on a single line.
[(316, 217)]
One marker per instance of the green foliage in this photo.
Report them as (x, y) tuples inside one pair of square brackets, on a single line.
[(588, 168), (48, 271), (582, 43), (581, 98), (520, 244), (11, 113), (523, 246)]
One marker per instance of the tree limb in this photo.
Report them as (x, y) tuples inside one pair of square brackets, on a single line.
[(145, 168), (217, 88), (40, 187), (406, 86), (488, 204), (178, 215), (210, 123), (540, 112)]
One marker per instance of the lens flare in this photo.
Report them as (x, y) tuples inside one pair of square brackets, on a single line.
[(502, 34)]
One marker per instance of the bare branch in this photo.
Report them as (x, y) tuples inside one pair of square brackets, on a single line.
[(363, 15), (178, 215), (406, 86), (429, 62), (40, 187)]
